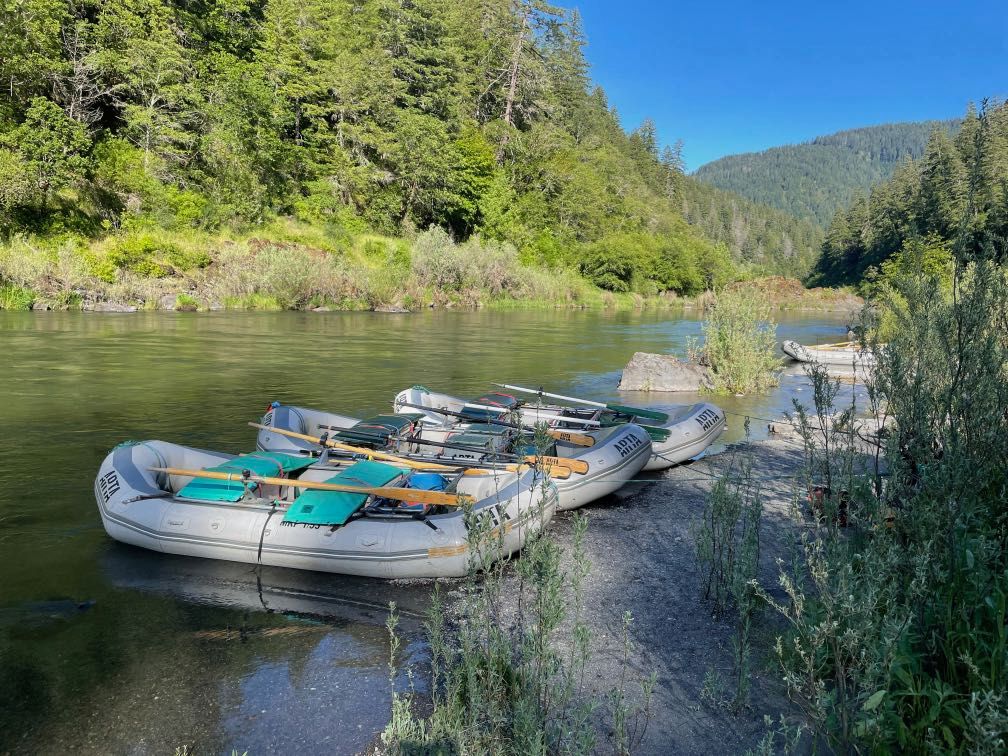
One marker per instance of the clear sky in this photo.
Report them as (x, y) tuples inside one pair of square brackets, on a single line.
[(729, 77)]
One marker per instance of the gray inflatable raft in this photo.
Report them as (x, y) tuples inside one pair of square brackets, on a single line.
[(253, 523), (618, 454), (840, 355), (686, 433)]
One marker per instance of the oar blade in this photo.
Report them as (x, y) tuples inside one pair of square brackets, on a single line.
[(578, 439), (661, 417)]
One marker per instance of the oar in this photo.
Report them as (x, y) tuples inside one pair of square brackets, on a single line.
[(399, 494), (638, 411), (578, 439), (560, 469), (413, 464)]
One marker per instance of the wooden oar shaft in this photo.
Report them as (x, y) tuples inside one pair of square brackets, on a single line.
[(392, 458), (575, 465), (388, 492), (573, 438), (559, 470)]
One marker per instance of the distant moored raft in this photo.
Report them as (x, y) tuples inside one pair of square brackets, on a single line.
[(843, 354)]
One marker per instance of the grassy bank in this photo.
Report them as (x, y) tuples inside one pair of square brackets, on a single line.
[(289, 264)]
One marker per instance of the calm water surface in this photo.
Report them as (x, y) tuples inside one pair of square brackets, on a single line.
[(109, 649)]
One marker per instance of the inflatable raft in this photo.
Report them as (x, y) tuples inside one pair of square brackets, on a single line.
[(292, 526), (840, 355), (684, 432), (616, 455)]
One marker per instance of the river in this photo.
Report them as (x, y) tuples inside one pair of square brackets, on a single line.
[(109, 649)]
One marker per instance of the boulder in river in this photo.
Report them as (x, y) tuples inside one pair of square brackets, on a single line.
[(662, 372)]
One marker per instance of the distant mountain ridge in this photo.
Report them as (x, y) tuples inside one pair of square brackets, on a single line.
[(814, 179)]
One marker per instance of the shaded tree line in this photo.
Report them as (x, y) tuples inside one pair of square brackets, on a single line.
[(954, 197)]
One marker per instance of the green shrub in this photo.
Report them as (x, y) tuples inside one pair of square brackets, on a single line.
[(186, 303), (436, 261), (740, 342), (14, 297), (186, 259), (898, 637), (252, 301)]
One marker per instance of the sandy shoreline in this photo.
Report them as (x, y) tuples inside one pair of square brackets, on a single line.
[(642, 554)]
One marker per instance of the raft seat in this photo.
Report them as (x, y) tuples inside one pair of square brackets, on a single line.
[(315, 507), (379, 430), (263, 463)]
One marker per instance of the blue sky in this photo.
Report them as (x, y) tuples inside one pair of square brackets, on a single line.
[(729, 77)]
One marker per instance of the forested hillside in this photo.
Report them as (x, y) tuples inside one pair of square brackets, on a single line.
[(914, 218), (813, 179), (761, 236), (122, 119)]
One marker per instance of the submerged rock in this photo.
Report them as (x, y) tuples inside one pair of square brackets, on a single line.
[(662, 372), (390, 308), (109, 307)]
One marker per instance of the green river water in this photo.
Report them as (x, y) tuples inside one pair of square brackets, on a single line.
[(109, 649)]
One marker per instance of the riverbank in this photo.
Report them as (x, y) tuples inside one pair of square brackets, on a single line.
[(641, 548), (292, 265)]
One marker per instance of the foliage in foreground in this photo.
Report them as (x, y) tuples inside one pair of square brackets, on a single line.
[(503, 684), (740, 342), (898, 622)]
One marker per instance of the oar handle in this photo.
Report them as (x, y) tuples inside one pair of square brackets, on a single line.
[(389, 492), (540, 392), (638, 411)]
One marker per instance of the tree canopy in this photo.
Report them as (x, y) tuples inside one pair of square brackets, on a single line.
[(391, 115), (812, 180), (953, 200)]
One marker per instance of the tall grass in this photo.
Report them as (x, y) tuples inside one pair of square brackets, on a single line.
[(508, 673)]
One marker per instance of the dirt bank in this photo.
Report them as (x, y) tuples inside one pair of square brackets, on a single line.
[(641, 547)]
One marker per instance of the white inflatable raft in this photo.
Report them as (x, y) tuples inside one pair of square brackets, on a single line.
[(288, 526), (685, 433), (840, 355), (618, 454)]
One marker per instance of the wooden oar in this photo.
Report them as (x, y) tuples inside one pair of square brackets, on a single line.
[(410, 463), (559, 468), (578, 439), (637, 411), (389, 492)]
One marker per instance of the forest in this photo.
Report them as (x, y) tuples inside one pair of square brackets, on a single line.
[(812, 180), (139, 136), (914, 218)]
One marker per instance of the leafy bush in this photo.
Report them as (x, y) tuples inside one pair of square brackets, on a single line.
[(436, 261), (186, 303), (740, 342), (898, 638), (14, 297)]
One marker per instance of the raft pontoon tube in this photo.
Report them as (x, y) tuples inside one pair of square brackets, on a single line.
[(840, 355), (618, 453), (328, 531), (685, 433)]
